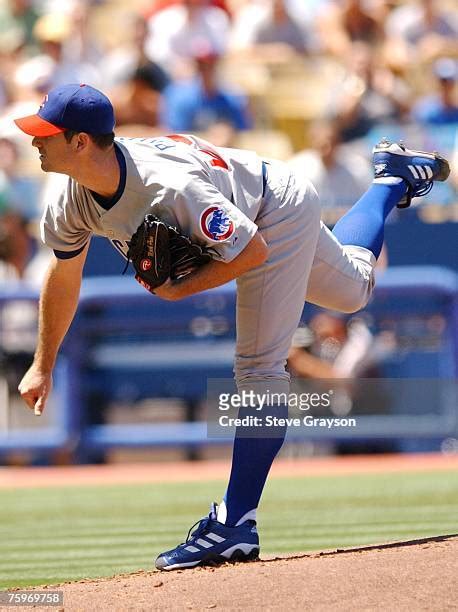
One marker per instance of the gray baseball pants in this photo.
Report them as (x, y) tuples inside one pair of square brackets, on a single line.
[(306, 262)]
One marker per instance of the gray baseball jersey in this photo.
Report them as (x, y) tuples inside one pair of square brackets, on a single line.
[(212, 195), (221, 197)]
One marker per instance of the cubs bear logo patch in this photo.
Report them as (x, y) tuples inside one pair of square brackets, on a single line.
[(216, 224)]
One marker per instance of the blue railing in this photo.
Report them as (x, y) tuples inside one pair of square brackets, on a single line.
[(125, 344)]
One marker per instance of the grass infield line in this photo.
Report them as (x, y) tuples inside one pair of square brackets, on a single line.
[(297, 514), (25, 477)]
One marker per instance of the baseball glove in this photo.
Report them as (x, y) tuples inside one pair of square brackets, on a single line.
[(158, 251)]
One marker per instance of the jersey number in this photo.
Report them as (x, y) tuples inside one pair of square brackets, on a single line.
[(216, 160)]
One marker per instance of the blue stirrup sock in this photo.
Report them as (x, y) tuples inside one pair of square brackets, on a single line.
[(252, 457), (363, 225), (254, 452)]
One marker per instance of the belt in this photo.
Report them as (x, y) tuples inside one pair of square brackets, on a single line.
[(264, 177)]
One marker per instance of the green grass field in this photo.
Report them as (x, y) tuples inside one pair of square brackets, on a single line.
[(51, 535)]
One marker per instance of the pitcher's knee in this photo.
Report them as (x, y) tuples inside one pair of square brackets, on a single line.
[(262, 382), (353, 300), (355, 292)]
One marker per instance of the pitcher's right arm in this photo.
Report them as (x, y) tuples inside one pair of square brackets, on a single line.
[(58, 303)]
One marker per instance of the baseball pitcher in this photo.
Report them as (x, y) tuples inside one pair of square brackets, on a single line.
[(191, 217)]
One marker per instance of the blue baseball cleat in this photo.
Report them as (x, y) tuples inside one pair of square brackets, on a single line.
[(418, 168), (212, 543)]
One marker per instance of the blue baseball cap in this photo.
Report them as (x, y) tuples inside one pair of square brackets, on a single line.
[(80, 108)]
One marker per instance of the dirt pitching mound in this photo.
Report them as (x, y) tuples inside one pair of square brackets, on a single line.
[(418, 574)]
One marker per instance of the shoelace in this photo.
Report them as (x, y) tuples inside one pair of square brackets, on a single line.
[(202, 524), (423, 189)]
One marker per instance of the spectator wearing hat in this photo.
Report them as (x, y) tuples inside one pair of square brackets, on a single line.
[(201, 102), (442, 106), (137, 100)]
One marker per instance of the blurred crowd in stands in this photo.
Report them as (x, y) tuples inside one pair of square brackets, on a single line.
[(313, 82)]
